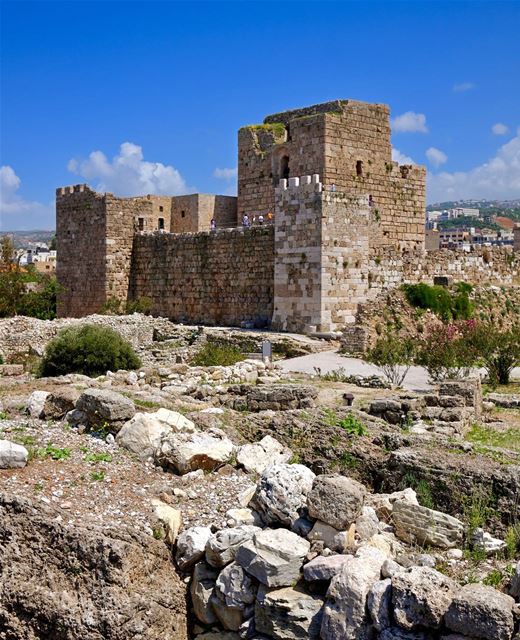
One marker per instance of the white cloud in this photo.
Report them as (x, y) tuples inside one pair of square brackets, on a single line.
[(463, 86), (128, 174), (16, 212), (498, 178), (410, 122), (226, 174), (401, 158), (499, 129), (436, 156)]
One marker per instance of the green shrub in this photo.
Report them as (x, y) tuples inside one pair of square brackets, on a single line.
[(141, 305), (89, 349), (447, 305), (352, 425), (213, 355), (499, 350)]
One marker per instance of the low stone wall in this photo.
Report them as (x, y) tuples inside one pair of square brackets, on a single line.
[(483, 265), (224, 277)]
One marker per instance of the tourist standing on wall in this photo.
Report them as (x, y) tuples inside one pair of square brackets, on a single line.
[(213, 224), (269, 217), (245, 220)]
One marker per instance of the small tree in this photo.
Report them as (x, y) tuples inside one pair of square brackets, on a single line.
[(12, 286), (447, 351), (499, 350), (394, 355)]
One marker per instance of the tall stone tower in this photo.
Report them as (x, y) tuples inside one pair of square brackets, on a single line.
[(347, 143), (321, 245), (94, 234)]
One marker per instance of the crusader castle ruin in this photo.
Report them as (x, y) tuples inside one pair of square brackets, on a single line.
[(328, 249)]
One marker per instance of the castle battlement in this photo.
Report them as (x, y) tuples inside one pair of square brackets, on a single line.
[(72, 189)]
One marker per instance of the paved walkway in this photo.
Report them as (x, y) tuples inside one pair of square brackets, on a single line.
[(416, 379)]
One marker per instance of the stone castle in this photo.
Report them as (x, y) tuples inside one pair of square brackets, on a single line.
[(348, 222)]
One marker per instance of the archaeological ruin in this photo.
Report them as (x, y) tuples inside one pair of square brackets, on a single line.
[(346, 223)]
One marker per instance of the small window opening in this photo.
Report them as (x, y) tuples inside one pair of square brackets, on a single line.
[(284, 167), (183, 214), (359, 168), (160, 224), (161, 208), (140, 224)]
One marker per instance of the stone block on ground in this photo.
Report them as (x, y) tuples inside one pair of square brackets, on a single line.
[(288, 613), (202, 586), (345, 612), (184, 452), (420, 597), (191, 545), (274, 557), (336, 500), (416, 524), (259, 455), (222, 546), (104, 408), (481, 611), (324, 567), (12, 455), (281, 494)]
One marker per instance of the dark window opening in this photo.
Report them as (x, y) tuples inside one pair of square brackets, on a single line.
[(183, 214), (160, 224), (359, 168), (284, 167), (161, 208), (289, 137), (140, 223)]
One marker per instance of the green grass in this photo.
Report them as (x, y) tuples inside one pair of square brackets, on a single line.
[(98, 457), (97, 476), (487, 437), (213, 354), (50, 451)]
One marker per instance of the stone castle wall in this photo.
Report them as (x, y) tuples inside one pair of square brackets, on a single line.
[(321, 241), (348, 144), (223, 277)]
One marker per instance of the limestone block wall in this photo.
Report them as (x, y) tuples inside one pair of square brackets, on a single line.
[(516, 236), (483, 265), (225, 277), (321, 245)]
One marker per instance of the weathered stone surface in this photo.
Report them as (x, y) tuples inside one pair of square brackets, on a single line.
[(325, 533), (236, 517), (36, 404), (417, 524), (223, 545), (379, 604), (186, 452), (336, 500), (191, 545), (142, 435), (324, 567), (104, 408), (53, 405), (282, 491), (12, 455), (514, 590), (288, 613), (273, 397), (395, 633), (256, 457), (170, 517), (273, 556), (420, 597), (383, 503), (481, 611), (345, 613), (236, 587), (80, 583), (202, 587), (486, 542), (230, 618)]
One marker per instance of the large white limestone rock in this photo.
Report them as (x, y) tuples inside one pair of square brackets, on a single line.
[(12, 455), (274, 557), (256, 457), (419, 525)]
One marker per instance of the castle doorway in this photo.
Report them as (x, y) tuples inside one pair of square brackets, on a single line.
[(284, 167)]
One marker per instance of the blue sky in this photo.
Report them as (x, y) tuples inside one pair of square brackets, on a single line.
[(175, 81)]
